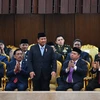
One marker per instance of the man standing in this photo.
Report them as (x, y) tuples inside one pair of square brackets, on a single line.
[(41, 64)]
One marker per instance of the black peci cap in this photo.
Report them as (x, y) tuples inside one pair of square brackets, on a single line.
[(77, 50)]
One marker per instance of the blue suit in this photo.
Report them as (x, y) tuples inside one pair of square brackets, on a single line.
[(77, 76), (1, 72), (22, 77), (3, 59)]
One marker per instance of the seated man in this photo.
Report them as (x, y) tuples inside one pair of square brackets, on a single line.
[(24, 47), (17, 73), (73, 72), (61, 47), (1, 72), (84, 55), (95, 82)]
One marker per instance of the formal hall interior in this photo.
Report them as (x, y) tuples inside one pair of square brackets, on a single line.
[(73, 19)]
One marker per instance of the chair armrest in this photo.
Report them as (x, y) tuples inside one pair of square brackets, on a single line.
[(85, 82)]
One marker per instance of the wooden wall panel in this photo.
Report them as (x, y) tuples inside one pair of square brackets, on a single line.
[(0, 6), (60, 24), (7, 29), (20, 7), (87, 28), (98, 6), (71, 6), (49, 6), (78, 6), (56, 6), (41, 6), (27, 26), (86, 6), (27, 6), (93, 6), (34, 6), (12, 6), (5, 6), (64, 7)]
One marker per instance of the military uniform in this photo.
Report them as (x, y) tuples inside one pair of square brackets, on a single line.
[(64, 50)]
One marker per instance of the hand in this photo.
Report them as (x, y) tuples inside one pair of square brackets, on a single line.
[(17, 67), (53, 73), (32, 74), (71, 64)]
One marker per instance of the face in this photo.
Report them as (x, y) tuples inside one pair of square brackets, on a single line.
[(19, 55), (42, 41), (74, 55), (24, 46), (60, 41), (77, 44), (1, 46)]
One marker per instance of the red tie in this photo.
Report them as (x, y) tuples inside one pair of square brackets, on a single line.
[(15, 80)]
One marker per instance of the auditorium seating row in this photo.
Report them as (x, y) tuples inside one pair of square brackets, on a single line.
[(92, 50)]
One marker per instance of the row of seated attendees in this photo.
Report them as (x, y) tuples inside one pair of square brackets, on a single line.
[(73, 61)]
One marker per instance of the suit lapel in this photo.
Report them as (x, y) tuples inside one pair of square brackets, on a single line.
[(45, 50)]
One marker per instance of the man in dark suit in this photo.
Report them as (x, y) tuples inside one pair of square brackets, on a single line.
[(1, 72), (41, 64), (73, 72), (97, 55), (17, 73), (84, 55), (24, 44), (95, 82)]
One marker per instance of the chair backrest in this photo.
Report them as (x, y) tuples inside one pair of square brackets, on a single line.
[(30, 46), (91, 49)]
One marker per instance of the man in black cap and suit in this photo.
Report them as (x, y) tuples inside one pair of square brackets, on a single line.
[(97, 55), (41, 64), (73, 72), (24, 44), (95, 82)]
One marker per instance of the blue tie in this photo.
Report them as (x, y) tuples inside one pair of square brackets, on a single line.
[(42, 51)]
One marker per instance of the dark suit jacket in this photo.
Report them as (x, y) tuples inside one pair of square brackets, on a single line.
[(1, 72), (97, 72), (80, 72), (3, 58), (45, 64), (22, 75), (83, 55)]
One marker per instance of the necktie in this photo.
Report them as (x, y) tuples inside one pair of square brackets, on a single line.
[(70, 75), (42, 51), (15, 80)]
